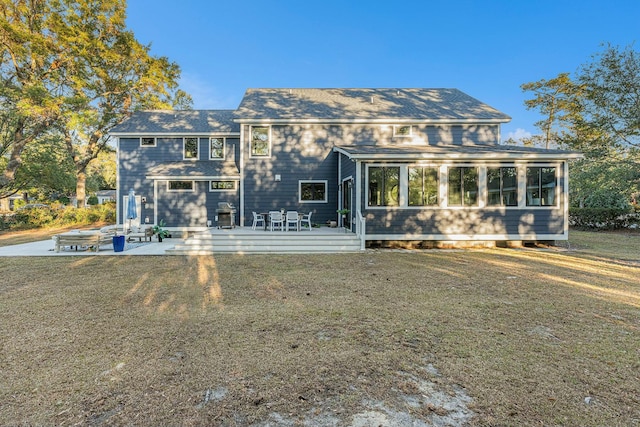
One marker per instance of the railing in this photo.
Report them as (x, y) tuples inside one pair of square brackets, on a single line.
[(361, 229)]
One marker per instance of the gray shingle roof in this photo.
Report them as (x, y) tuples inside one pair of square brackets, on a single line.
[(492, 151), (195, 170), (365, 105), (178, 122)]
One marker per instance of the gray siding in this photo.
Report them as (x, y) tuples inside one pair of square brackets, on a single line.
[(178, 209)]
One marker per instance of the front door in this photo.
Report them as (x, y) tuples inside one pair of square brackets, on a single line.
[(346, 202)]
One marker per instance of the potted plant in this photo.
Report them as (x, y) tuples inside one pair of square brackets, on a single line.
[(159, 231), (343, 213)]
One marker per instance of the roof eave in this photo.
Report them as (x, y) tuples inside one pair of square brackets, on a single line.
[(389, 120), (170, 134), (460, 156)]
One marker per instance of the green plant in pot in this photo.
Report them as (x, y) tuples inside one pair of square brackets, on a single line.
[(159, 231)]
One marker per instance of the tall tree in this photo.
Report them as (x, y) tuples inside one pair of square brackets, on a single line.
[(596, 112), (99, 72)]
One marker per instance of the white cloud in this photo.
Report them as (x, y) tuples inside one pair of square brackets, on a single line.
[(518, 135)]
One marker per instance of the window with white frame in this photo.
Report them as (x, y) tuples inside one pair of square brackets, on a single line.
[(190, 148), (222, 185), (502, 186), (423, 186), (463, 186), (260, 141), (312, 191), (383, 186), (180, 185), (147, 142), (216, 148), (541, 186), (401, 131)]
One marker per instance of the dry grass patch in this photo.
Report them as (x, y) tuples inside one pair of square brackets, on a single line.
[(531, 336)]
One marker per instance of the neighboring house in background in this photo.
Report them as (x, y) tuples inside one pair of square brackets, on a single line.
[(408, 164)]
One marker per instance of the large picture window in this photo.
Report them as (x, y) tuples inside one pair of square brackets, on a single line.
[(383, 186), (216, 148), (463, 186), (190, 148), (502, 186), (180, 186), (541, 186), (260, 141), (313, 191), (423, 186)]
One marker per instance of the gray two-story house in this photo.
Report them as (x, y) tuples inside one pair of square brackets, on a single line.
[(408, 164)]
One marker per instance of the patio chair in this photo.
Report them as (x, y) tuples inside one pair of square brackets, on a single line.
[(306, 218), (276, 218), (257, 220), (293, 218)]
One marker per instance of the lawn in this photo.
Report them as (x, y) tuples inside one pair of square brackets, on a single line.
[(534, 336)]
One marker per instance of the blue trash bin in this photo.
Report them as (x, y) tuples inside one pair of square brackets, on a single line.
[(118, 243)]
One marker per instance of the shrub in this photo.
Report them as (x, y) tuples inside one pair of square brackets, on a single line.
[(603, 218)]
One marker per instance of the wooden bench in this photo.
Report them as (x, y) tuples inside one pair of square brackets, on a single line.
[(82, 239), (145, 234)]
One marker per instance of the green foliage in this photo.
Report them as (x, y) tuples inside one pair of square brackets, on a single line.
[(69, 215), (603, 218), (604, 198), (93, 200), (596, 112)]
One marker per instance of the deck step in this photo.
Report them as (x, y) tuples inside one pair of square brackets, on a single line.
[(247, 242)]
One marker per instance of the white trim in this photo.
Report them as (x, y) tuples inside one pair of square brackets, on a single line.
[(192, 190), (224, 148), (172, 134), (192, 178), (460, 156), (184, 142), (269, 140), (313, 181), (385, 120), (397, 135), (241, 170), (565, 196), (155, 142), (218, 190)]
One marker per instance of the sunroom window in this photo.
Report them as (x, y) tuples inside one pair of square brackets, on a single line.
[(423, 186), (216, 148), (541, 186), (190, 148), (463, 186), (260, 141), (383, 186), (502, 186)]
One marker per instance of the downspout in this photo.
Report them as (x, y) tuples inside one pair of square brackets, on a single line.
[(241, 167), (361, 225)]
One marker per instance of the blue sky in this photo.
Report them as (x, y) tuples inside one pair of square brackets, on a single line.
[(484, 48)]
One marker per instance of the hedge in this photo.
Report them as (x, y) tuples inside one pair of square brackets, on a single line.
[(603, 218)]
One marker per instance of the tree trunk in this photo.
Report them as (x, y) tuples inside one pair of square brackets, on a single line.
[(81, 190)]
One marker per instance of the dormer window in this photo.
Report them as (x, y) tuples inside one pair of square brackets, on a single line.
[(402, 131), (190, 148)]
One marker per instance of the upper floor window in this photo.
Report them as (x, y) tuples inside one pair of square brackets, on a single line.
[(216, 148), (383, 186), (313, 191), (147, 142), (402, 130), (190, 148), (463, 186), (260, 141), (222, 185), (541, 186), (502, 186), (423, 186), (180, 186)]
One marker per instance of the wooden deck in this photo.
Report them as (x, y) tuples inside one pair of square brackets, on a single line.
[(245, 240)]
